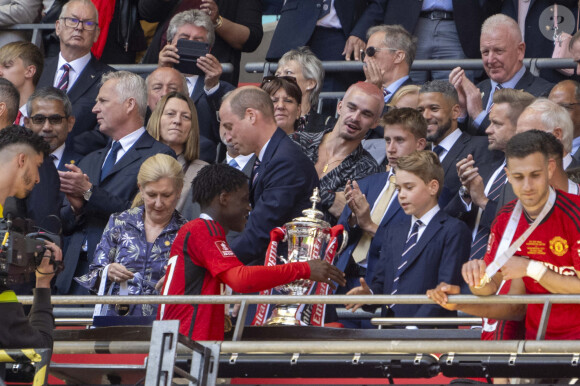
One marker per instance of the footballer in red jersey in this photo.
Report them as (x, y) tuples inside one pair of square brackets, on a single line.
[(201, 259)]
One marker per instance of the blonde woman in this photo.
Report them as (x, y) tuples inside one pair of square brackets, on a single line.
[(135, 246), (174, 123)]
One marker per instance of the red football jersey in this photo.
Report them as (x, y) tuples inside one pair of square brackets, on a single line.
[(555, 243), (204, 261)]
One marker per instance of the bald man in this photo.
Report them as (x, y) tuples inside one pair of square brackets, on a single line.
[(283, 177), (337, 152)]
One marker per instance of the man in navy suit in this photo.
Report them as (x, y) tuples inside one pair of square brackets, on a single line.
[(439, 104), (105, 181), (502, 52), (388, 58), (283, 177), (421, 249), (50, 115), (477, 202), (567, 94), (77, 72), (372, 201), (206, 90)]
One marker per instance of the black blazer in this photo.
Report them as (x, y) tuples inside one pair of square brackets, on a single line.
[(82, 95), (298, 19), (536, 86), (69, 156), (114, 194), (465, 144)]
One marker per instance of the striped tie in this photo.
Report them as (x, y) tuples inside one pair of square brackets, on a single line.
[(478, 247), (63, 83), (497, 88), (409, 244), (255, 170)]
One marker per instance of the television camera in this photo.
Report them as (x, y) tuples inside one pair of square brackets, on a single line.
[(22, 247)]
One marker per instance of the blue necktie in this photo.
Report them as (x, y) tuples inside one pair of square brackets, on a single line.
[(234, 164), (438, 150), (478, 247), (409, 244), (110, 161)]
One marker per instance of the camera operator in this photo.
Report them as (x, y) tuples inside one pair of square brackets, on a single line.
[(21, 153)]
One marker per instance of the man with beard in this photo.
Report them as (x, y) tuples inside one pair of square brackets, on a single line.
[(477, 201), (439, 104), (337, 152)]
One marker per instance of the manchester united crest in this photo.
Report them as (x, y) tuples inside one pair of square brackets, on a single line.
[(558, 246)]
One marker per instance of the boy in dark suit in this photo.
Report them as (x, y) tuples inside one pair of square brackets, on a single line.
[(424, 247)]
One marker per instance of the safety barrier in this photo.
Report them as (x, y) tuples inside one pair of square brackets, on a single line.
[(363, 353), (39, 356)]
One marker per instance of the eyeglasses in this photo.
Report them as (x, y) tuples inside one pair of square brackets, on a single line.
[(371, 51), (268, 79), (73, 22), (53, 119)]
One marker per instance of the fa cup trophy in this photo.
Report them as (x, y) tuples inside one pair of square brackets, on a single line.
[(309, 237)]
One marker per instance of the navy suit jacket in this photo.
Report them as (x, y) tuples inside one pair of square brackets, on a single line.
[(69, 156), (304, 14), (438, 256), (536, 86), (281, 190), (207, 107), (457, 209), (44, 200), (84, 138), (465, 144), (370, 186), (114, 194)]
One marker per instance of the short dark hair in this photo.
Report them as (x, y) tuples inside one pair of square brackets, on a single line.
[(442, 87), (214, 179), (410, 119), (425, 165), (53, 94), (9, 94), (529, 142), (19, 135)]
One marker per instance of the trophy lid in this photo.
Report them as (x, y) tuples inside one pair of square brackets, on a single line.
[(313, 215)]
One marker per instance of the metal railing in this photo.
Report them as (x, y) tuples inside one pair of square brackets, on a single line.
[(533, 64), (36, 29)]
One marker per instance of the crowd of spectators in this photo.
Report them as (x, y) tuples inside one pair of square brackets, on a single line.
[(417, 166)]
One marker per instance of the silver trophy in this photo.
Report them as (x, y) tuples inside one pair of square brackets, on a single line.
[(308, 237)]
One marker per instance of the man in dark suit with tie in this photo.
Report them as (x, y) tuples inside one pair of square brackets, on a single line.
[(206, 90), (388, 58), (482, 187), (502, 52), (422, 249), (50, 115), (77, 72), (372, 202), (105, 181), (283, 177), (439, 104)]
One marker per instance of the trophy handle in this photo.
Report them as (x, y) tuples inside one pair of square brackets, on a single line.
[(344, 242)]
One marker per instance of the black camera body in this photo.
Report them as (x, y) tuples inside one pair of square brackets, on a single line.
[(21, 250), (189, 51)]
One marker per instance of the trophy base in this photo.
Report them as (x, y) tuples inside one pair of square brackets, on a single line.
[(283, 315)]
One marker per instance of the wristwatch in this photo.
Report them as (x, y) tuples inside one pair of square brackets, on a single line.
[(464, 192), (87, 195)]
